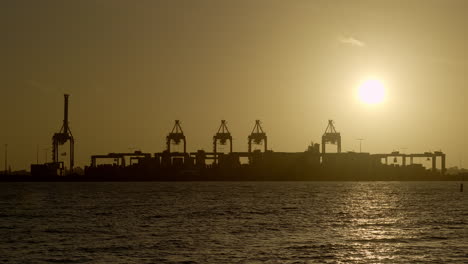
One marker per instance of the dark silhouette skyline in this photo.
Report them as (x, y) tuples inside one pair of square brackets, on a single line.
[(260, 163)]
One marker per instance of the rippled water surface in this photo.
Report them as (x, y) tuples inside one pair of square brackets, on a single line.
[(225, 222)]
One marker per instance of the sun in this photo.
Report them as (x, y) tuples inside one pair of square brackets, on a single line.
[(371, 92)]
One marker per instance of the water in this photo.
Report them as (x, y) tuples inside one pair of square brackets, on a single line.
[(244, 222)]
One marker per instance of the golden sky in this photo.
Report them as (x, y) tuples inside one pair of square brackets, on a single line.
[(132, 67)]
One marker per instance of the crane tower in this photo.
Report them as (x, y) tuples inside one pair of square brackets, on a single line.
[(62, 137), (331, 136), (223, 135), (257, 136), (176, 136)]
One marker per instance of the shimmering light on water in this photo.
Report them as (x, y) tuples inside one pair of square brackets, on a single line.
[(245, 222)]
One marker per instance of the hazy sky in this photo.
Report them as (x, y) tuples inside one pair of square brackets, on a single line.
[(132, 67)]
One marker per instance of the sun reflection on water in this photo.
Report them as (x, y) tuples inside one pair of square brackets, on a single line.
[(374, 229)]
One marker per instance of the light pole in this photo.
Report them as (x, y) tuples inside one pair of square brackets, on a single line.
[(6, 159), (45, 154), (360, 144)]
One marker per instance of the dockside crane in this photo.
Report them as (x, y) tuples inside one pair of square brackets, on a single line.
[(331, 136), (62, 137), (257, 136), (176, 136), (223, 135)]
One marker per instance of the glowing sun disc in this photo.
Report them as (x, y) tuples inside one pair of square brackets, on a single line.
[(371, 92)]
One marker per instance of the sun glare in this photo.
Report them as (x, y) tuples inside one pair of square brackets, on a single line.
[(371, 92)]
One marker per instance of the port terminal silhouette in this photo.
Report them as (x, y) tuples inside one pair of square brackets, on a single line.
[(263, 164)]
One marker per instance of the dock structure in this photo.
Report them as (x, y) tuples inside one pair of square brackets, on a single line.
[(119, 158), (204, 159), (433, 156), (311, 161)]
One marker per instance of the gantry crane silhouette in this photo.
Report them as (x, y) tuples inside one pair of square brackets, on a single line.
[(257, 136), (62, 137), (331, 137), (223, 135), (176, 136)]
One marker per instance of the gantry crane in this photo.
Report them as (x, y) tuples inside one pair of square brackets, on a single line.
[(331, 136), (257, 136), (62, 137), (223, 135), (176, 136)]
